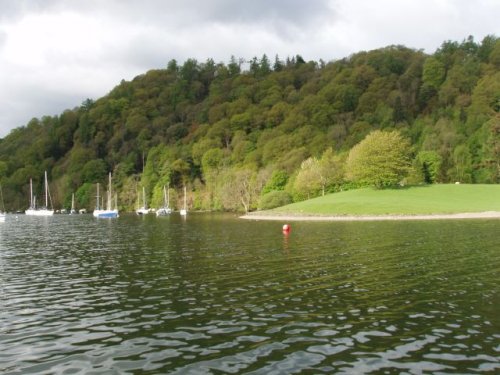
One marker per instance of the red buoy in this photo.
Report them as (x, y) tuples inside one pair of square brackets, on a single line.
[(286, 229)]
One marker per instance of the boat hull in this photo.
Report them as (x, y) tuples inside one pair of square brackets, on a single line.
[(105, 214), (163, 211), (40, 212), (142, 211)]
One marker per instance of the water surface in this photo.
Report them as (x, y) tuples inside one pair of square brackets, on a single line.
[(214, 294)]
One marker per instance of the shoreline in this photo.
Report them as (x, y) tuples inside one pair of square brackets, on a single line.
[(294, 217)]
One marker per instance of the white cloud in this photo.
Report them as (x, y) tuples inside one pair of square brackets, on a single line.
[(54, 53)]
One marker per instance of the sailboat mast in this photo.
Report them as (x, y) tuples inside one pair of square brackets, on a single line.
[(31, 193), (97, 198), (185, 197), (109, 192), (46, 191)]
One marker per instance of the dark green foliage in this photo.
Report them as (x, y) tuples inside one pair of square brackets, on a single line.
[(429, 164), (196, 123), (85, 196), (95, 171)]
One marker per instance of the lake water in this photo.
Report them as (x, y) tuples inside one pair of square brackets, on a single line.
[(214, 294)]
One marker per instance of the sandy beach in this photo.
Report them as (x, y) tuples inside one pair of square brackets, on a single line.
[(298, 217)]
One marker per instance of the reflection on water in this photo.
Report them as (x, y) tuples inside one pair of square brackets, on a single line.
[(213, 294)]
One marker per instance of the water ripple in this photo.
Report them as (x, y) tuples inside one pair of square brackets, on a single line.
[(211, 294)]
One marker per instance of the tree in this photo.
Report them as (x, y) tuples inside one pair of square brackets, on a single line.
[(308, 180), (277, 182), (240, 188), (429, 163), (433, 72), (274, 199), (462, 164), (331, 170), (3, 170), (94, 170), (317, 175), (382, 159), (493, 148)]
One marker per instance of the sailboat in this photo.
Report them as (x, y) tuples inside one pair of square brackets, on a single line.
[(144, 209), (107, 213), (43, 211), (72, 211), (165, 210), (2, 212), (183, 211)]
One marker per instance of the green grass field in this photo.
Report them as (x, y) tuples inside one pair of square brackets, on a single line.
[(431, 199)]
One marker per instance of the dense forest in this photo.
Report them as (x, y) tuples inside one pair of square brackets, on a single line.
[(256, 134)]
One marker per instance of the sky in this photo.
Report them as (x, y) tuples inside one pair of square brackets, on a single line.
[(54, 54)]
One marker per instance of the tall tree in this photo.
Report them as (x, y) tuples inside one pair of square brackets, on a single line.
[(382, 159)]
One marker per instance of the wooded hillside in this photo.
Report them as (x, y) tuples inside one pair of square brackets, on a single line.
[(268, 131)]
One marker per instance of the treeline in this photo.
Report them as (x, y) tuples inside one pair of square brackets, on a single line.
[(245, 135)]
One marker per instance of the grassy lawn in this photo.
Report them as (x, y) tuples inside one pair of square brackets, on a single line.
[(432, 199)]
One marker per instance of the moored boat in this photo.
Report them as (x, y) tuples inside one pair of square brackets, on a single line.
[(165, 210), (33, 210), (144, 210), (109, 212), (73, 210), (183, 211)]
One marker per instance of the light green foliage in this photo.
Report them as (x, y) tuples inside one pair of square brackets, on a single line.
[(382, 159), (332, 170), (308, 181), (199, 148), (212, 160), (277, 182), (462, 169), (240, 189), (317, 175)]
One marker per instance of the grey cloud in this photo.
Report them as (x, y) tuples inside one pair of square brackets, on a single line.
[(298, 12), (10, 10)]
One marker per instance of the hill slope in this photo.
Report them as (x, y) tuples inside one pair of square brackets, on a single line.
[(223, 131)]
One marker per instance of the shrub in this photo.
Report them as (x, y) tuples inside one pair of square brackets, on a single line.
[(274, 199)]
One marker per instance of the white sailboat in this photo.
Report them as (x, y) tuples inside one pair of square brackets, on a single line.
[(107, 213), (144, 210), (183, 211), (72, 211), (43, 211), (165, 210)]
